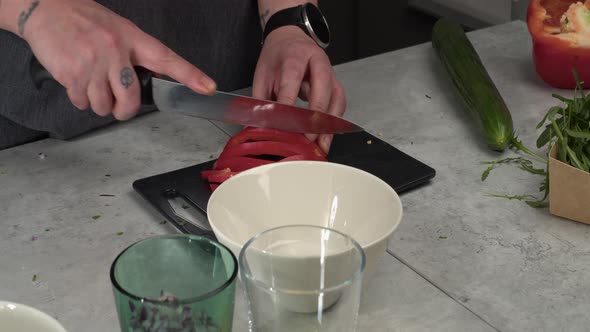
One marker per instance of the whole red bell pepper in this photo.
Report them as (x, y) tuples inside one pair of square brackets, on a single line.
[(560, 30)]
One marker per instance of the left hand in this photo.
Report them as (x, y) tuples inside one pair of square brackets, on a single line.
[(291, 64)]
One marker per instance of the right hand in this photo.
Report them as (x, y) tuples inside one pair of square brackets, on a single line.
[(91, 51)]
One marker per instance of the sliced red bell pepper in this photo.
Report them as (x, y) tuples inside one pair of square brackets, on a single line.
[(239, 154), (560, 30), (239, 164), (208, 173), (221, 177), (303, 157), (271, 148), (267, 134)]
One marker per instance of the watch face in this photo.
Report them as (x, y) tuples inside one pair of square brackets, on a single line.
[(317, 23)]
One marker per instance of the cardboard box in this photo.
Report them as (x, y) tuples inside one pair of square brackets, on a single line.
[(569, 190)]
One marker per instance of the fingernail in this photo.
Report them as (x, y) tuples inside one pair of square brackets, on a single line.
[(208, 84), (327, 141)]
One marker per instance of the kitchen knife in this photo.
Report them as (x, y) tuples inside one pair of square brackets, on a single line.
[(170, 96)]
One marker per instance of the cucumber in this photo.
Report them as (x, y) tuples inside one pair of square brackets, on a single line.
[(472, 83)]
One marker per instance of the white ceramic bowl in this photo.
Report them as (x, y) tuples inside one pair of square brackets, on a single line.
[(326, 194), (22, 318)]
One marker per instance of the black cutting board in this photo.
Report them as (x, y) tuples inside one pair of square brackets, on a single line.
[(361, 150)]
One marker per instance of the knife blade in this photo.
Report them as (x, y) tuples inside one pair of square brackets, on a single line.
[(169, 96), (232, 108)]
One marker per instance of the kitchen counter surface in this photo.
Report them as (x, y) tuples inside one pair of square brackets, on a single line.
[(460, 261)]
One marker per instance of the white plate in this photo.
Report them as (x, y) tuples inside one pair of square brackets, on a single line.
[(16, 317)]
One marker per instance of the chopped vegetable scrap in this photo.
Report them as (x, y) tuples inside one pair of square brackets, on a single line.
[(254, 147)]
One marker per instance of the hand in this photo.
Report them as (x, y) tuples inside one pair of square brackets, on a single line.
[(291, 64), (91, 51)]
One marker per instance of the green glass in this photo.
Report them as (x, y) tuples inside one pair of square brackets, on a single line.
[(175, 283)]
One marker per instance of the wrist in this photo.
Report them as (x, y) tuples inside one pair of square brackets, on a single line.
[(15, 15), (307, 18)]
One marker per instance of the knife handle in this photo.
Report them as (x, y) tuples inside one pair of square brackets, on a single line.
[(40, 75)]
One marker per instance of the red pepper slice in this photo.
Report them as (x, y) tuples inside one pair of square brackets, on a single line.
[(220, 177), (303, 157), (559, 42), (208, 173), (271, 148), (239, 164), (267, 134), (238, 154)]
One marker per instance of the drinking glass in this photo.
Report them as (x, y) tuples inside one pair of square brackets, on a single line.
[(175, 283), (302, 278)]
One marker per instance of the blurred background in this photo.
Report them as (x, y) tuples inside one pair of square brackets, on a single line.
[(362, 28)]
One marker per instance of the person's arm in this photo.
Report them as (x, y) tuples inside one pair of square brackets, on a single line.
[(291, 64), (91, 51), (266, 8), (14, 14)]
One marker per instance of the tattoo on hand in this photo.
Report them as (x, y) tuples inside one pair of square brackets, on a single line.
[(24, 16), (263, 17), (126, 77)]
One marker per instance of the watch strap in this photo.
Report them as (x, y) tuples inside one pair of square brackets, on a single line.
[(287, 16)]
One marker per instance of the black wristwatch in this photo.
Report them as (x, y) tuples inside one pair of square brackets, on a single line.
[(308, 17)]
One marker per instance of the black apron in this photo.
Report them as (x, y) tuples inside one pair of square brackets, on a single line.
[(220, 37)]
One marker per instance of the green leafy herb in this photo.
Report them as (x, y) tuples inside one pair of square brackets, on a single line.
[(96, 217), (34, 277), (568, 127), (443, 237), (120, 233), (163, 222)]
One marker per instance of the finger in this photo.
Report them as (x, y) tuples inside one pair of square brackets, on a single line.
[(153, 55), (125, 88), (78, 97), (337, 107), (338, 100), (290, 80), (304, 91), (262, 84), (100, 96), (325, 141), (321, 80)]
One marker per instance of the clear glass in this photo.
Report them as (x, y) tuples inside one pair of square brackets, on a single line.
[(175, 283), (302, 278)]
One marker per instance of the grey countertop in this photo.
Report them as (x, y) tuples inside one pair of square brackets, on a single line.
[(460, 261)]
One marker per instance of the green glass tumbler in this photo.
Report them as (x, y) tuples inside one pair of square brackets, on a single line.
[(175, 283)]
